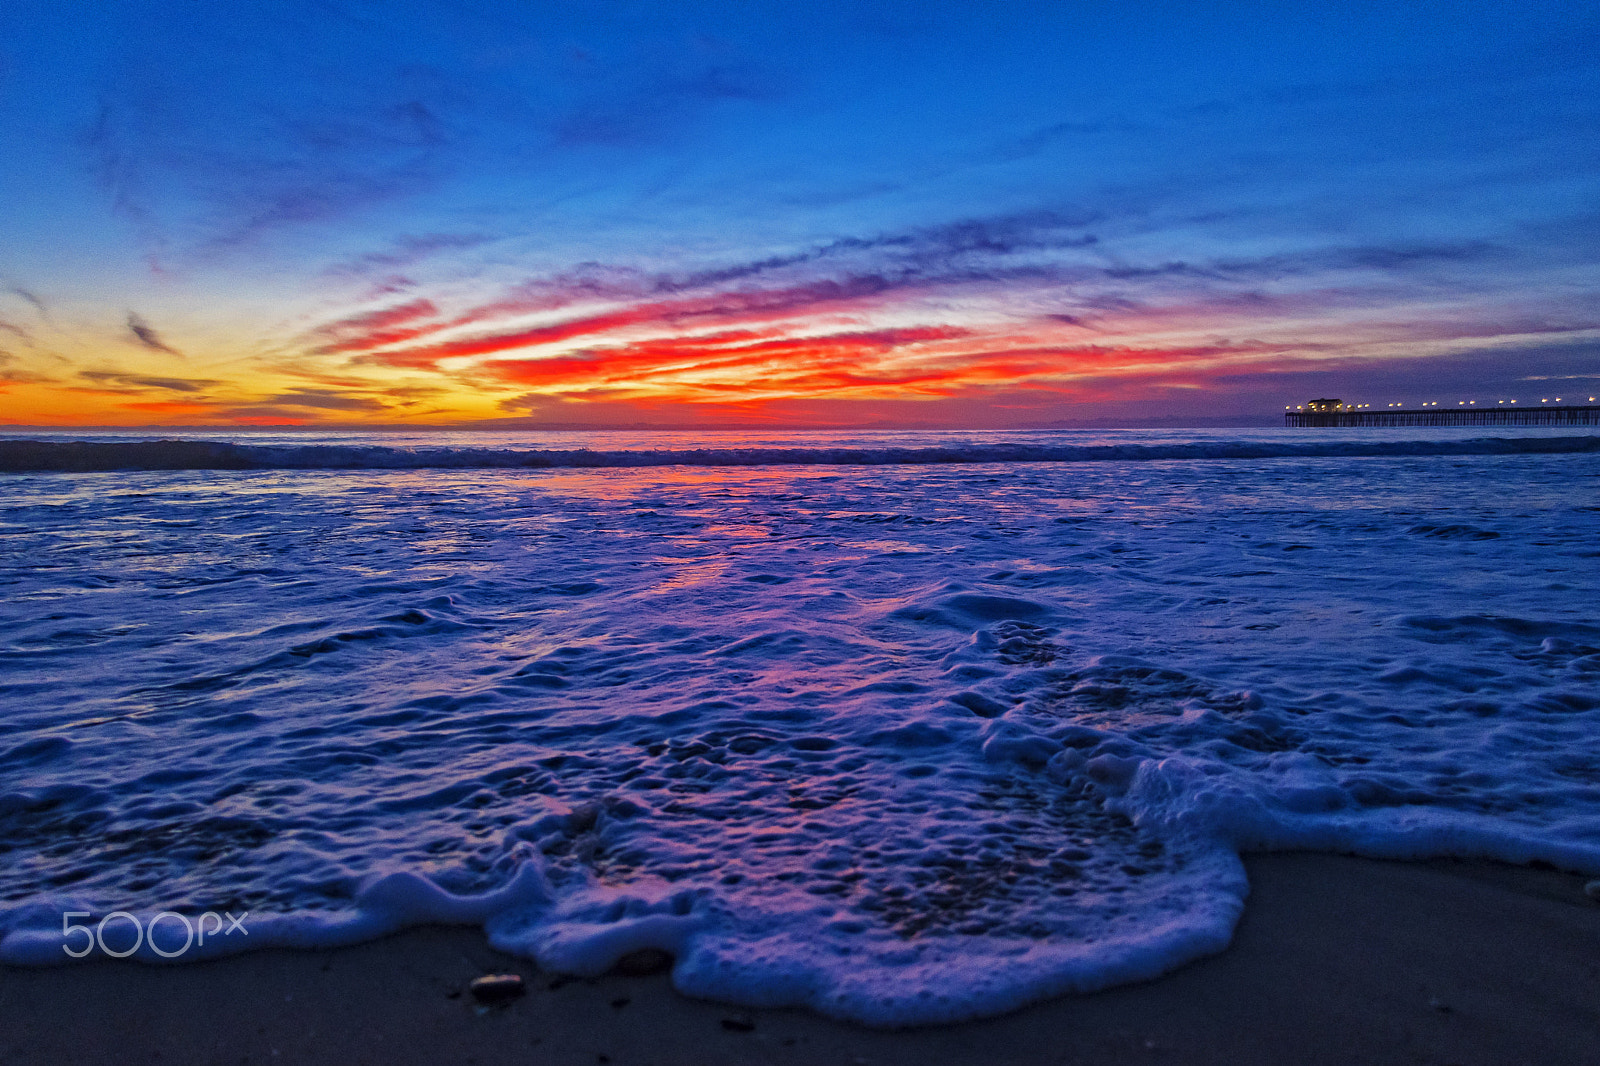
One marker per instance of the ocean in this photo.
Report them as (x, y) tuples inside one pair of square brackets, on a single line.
[(902, 727)]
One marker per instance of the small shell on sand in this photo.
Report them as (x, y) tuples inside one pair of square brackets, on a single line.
[(1592, 890), (497, 988)]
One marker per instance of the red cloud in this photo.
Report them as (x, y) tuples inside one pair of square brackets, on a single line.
[(377, 328), (765, 305), (675, 357)]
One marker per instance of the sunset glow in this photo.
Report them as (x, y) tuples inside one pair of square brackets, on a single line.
[(518, 220)]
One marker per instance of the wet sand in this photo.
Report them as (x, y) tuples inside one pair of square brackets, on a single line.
[(1337, 960)]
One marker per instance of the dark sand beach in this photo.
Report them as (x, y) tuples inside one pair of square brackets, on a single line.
[(1337, 960)]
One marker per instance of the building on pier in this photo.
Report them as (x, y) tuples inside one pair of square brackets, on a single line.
[(1324, 413)]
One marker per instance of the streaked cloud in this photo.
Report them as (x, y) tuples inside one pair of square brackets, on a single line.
[(118, 379), (143, 333)]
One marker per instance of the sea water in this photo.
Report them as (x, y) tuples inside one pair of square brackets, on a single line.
[(901, 727)]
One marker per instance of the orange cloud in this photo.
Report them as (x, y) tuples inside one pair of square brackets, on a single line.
[(167, 407)]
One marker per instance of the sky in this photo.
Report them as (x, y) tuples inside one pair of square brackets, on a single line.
[(526, 214)]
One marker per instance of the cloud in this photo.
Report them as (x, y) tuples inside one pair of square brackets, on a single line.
[(203, 174), (371, 329), (31, 298), (1045, 137), (218, 132), (640, 99), (931, 252), (261, 415), (1019, 251), (11, 374), (965, 253), (737, 359), (141, 332), (745, 306), (114, 165), (954, 252), (1068, 299), (326, 399), (406, 251), (141, 381)]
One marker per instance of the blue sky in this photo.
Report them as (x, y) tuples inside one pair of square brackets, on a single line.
[(602, 213)]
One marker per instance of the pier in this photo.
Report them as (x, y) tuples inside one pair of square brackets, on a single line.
[(1321, 414)]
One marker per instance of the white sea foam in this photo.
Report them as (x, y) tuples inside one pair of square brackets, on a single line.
[(903, 744)]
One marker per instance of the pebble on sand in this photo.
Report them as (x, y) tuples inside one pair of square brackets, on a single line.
[(497, 988)]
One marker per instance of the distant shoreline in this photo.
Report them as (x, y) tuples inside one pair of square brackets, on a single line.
[(1265, 421), (33, 456)]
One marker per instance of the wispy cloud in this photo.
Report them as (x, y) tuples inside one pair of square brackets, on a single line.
[(404, 252), (327, 399), (143, 333), (33, 299), (993, 267), (125, 381), (197, 178), (637, 108), (722, 361)]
